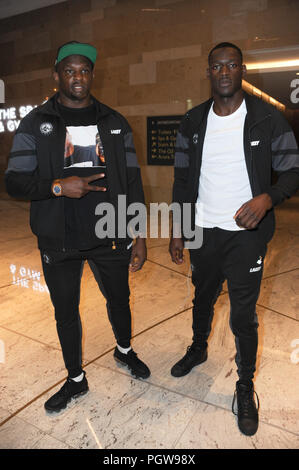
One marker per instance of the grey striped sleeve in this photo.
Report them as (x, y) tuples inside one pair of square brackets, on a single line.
[(181, 159), (285, 154), (22, 156), (131, 156)]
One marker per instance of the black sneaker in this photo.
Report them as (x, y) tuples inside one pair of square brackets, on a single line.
[(136, 366), (69, 390), (194, 356), (248, 418)]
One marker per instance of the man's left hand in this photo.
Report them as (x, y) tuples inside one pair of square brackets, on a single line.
[(138, 256), (251, 213)]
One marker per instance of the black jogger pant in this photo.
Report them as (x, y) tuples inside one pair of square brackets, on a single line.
[(63, 271), (238, 257)]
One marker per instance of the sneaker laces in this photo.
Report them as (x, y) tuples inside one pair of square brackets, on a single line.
[(245, 403), (64, 391), (132, 354)]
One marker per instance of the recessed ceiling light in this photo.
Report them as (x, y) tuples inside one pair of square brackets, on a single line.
[(273, 64)]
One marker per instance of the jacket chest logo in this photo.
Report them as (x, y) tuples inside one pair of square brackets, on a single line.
[(46, 128), (254, 143)]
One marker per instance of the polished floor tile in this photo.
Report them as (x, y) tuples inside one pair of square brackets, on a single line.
[(162, 412), (280, 293), (21, 264), (14, 222), (151, 417), (215, 428), (29, 368)]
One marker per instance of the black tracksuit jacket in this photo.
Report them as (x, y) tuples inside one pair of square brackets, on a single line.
[(269, 144), (37, 158)]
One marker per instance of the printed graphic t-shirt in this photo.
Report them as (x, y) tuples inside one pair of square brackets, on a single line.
[(83, 156)]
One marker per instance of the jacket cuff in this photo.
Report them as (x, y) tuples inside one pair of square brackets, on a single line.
[(275, 195), (45, 189)]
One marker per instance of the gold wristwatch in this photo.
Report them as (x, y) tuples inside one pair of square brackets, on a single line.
[(56, 188)]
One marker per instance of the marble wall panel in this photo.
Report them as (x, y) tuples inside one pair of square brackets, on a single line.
[(15, 90), (36, 61), (143, 73), (172, 53), (274, 27), (238, 7), (111, 27), (96, 4), (10, 36), (230, 28), (157, 194), (169, 45), (116, 61), (160, 3), (27, 76), (107, 96), (7, 50), (26, 20), (159, 93), (58, 35), (90, 16), (157, 176), (81, 32), (32, 43), (112, 77), (192, 68), (113, 47), (154, 109)]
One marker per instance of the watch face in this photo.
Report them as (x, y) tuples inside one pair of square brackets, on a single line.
[(57, 189)]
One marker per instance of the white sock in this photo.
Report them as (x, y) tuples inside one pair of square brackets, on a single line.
[(79, 378), (124, 350)]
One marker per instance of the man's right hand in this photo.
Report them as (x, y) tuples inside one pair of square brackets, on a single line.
[(76, 187), (176, 248)]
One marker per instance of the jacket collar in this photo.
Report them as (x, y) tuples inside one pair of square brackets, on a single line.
[(51, 107), (257, 110)]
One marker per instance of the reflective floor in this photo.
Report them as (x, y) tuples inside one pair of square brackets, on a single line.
[(162, 412)]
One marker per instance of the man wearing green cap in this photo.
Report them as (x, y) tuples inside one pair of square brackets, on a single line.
[(70, 157)]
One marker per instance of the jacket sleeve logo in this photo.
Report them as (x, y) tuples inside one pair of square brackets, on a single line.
[(46, 128)]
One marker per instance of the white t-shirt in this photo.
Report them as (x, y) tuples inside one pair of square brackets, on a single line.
[(224, 183)]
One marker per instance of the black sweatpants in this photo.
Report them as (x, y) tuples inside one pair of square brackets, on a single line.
[(238, 257), (63, 271)]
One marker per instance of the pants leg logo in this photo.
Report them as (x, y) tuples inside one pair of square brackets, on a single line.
[(46, 258), (258, 268)]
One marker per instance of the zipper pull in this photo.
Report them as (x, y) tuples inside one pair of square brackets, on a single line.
[(113, 246)]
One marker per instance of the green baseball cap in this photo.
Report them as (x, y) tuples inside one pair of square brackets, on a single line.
[(77, 48)]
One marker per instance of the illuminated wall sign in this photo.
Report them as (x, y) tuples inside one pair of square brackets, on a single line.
[(10, 118), (2, 92), (161, 138)]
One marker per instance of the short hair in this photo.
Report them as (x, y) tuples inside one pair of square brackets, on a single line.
[(71, 42), (221, 45)]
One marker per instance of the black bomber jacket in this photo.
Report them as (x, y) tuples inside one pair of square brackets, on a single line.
[(269, 144), (37, 157)]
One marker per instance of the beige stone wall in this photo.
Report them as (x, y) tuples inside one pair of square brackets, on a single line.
[(152, 55)]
